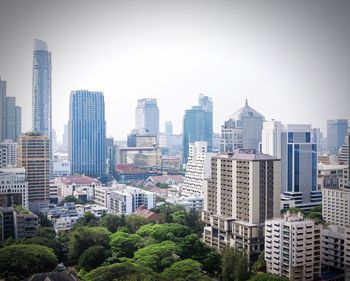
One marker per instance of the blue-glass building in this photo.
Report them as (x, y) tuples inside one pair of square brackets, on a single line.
[(87, 133), (198, 125), (299, 166), (41, 90), (336, 132)]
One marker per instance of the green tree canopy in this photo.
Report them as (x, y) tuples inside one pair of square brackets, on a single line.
[(163, 232), (20, 261), (53, 244), (113, 222), (134, 222), (158, 256), (185, 270), (85, 237), (121, 272), (89, 219), (93, 257), (234, 265), (124, 244)]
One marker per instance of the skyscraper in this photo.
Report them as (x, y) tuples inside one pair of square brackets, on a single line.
[(147, 117), (41, 90), (198, 125), (336, 132), (242, 192), (251, 123), (34, 156), (2, 106), (168, 132), (87, 132)]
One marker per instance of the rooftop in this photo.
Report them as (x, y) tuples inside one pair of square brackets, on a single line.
[(78, 180), (246, 154), (245, 111)]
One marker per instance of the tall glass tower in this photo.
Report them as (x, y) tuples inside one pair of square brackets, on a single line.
[(336, 132), (87, 133), (147, 117), (41, 90)]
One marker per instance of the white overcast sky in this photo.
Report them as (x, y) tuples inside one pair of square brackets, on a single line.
[(289, 58)]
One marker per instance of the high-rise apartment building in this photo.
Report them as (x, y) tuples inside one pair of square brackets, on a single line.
[(293, 247), (41, 91), (243, 191), (251, 123), (336, 131), (8, 154), (13, 187), (34, 156), (336, 206), (198, 125), (198, 168), (147, 117), (87, 133)]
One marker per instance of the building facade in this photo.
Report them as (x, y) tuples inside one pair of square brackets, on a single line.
[(147, 116), (34, 156), (241, 194), (336, 206), (198, 168), (87, 133), (41, 91), (231, 137), (336, 131), (13, 187), (293, 247), (8, 154)]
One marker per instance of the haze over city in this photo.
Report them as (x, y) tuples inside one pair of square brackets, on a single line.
[(289, 59)]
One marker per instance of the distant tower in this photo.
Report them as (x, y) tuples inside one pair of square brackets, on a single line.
[(41, 91), (147, 117), (87, 133), (336, 131)]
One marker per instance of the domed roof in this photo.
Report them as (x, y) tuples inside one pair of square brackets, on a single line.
[(246, 111)]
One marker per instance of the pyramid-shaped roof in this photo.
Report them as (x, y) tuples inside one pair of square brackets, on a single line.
[(245, 111)]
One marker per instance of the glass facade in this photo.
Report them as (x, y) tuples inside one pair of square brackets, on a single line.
[(87, 133)]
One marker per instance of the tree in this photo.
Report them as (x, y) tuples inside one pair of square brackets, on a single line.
[(163, 232), (260, 264), (20, 261), (134, 222), (113, 222), (234, 265), (53, 244), (193, 221), (158, 256), (93, 257), (185, 270), (89, 219), (122, 271), (267, 277), (83, 238), (292, 210), (179, 217), (124, 244), (44, 221), (70, 198)]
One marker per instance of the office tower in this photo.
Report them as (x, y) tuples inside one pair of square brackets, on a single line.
[(13, 187), (197, 169), (251, 123), (299, 167), (168, 132), (336, 132), (65, 138), (317, 137), (34, 156), (87, 133), (18, 122), (147, 117), (41, 91), (293, 247), (231, 137), (271, 142), (110, 156), (8, 154), (2, 107), (54, 140), (243, 191), (207, 104)]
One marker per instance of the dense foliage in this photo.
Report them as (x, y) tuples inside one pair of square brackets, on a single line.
[(19, 261), (93, 257), (267, 277)]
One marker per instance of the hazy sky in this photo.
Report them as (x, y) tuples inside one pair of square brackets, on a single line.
[(290, 59)]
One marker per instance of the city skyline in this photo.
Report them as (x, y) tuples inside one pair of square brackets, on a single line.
[(228, 50)]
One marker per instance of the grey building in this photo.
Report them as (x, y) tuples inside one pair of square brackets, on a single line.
[(41, 90), (336, 131), (147, 117)]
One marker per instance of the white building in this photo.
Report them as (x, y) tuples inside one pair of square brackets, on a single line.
[(13, 187), (192, 202), (61, 168), (271, 138), (147, 116), (126, 199), (67, 185), (336, 206), (8, 154), (102, 193), (292, 247), (335, 241), (198, 169)]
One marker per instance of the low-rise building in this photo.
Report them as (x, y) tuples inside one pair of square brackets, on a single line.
[(61, 168), (166, 179), (191, 202), (328, 176), (67, 185), (293, 247)]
